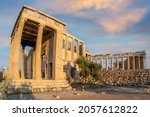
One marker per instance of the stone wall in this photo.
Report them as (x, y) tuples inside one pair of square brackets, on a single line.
[(126, 77)]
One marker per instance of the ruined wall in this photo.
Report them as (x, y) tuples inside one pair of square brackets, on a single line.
[(126, 77)]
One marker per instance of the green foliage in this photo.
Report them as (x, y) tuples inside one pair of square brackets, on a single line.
[(83, 64), (88, 68), (94, 70)]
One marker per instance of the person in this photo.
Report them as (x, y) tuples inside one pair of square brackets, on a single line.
[(4, 73)]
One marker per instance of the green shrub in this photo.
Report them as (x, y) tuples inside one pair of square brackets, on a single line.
[(88, 68)]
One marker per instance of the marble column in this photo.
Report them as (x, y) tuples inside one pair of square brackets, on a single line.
[(49, 60), (101, 62), (22, 65), (72, 50), (142, 62), (83, 49), (139, 63), (46, 63), (111, 63), (106, 63), (78, 49), (10, 59), (33, 64), (38, 53), (122, 63), (133, 62), (117, 63), (128, 62), (15, 50)]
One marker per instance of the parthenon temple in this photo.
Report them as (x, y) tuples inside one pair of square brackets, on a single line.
[(124, 61), (48, 50)]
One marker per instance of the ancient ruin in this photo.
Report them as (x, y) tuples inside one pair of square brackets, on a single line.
[(51, 49), (124, 61), (48, 50)]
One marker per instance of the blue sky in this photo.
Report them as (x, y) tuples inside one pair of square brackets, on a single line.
[(107, 26)]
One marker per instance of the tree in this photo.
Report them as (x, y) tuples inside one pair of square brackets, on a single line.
[(88, 68), (83, 64), (95, 70)]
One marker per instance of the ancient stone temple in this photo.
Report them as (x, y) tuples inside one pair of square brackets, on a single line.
[(50, 50), (42, 53), (123, 61)]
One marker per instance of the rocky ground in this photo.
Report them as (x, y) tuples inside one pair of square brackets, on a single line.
[(90, 93)]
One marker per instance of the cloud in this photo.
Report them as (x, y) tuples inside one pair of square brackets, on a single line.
[(140, 44), (122, 21), (113, 15), (71, 6)]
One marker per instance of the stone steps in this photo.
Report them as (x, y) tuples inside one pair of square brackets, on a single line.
[(35, 86)]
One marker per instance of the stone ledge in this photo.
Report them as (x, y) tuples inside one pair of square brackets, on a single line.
[(34, 86), (36, 90)]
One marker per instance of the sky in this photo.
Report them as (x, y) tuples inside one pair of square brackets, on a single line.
[(106, 26)]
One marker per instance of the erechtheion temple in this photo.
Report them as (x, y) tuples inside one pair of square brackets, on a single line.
[(46, 50), (51, 49)]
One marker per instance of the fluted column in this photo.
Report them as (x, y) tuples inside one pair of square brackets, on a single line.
[(117, 62), (48, 60), (77, 49), (72, 50), (111, 63), (10, 59), (128, 62), (106, 63), (46, 63), (133, 62), (101, 63), (22, 66), (139, 63), (83, 49), (142, 62), (38, 52), (33, 63), (122, 63), (15, 50)]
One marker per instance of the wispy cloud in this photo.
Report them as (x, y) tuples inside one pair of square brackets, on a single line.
[(113, 15), (139, 45), (122, 21), (72, 6)]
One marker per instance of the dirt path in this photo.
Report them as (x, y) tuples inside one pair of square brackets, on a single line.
[(102, 93)]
